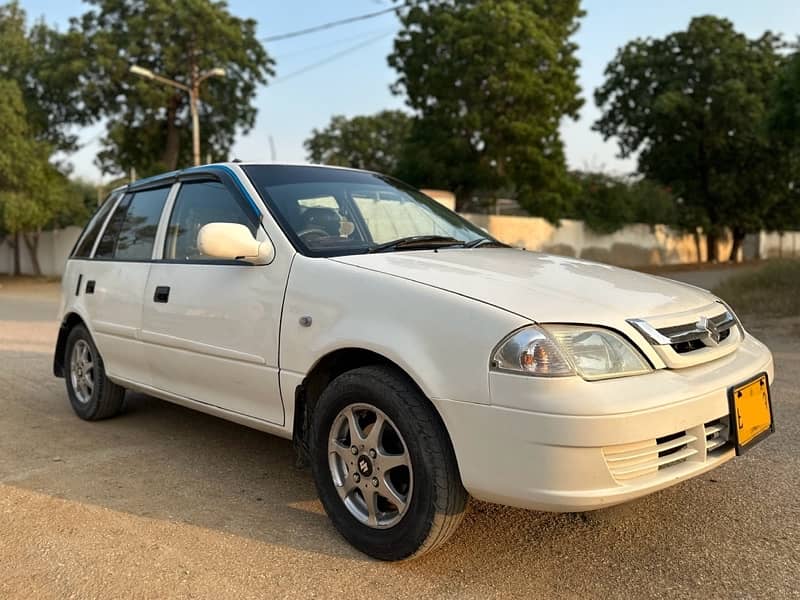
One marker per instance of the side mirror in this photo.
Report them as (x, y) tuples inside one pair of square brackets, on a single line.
[(233, 241)]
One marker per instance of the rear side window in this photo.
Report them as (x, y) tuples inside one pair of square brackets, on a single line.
[(197, 204), (131, 231), (83, 248), (105, 249), (138, 232)]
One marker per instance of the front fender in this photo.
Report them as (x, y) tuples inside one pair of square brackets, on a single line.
[(442, 340)]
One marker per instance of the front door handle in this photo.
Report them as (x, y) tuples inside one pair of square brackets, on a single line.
[(162, 294)]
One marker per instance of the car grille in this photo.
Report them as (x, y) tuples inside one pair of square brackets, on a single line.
[(628, 462), (693, 337), (688, 337)]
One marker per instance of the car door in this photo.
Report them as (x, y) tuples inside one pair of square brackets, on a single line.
[(112, 282), (212, 326)]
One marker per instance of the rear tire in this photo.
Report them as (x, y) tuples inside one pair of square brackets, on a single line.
[(399, 494), (93, 396)]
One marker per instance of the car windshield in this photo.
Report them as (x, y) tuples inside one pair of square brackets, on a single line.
[(331, 212)]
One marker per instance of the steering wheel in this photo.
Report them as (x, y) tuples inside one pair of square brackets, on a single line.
[(316, 232)]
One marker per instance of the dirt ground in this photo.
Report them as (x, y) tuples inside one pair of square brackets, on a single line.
[(163, 502)]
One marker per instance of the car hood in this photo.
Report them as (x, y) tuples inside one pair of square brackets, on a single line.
[(540, 287)]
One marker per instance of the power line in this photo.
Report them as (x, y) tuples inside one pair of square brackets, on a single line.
[(338, 42), (331, 58), (324, 26)]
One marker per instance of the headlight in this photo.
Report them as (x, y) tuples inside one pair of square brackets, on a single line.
[(532, 352), (561, 350)]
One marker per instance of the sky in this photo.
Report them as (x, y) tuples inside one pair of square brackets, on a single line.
[(353, 81)]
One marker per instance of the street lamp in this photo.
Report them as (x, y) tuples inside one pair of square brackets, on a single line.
[(193, 89)]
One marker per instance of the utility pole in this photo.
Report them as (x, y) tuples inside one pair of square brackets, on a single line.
[(193, 89), (273, 153)]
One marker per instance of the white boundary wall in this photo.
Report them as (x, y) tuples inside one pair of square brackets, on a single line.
[(633, 245), (779, 245), (54, 248)]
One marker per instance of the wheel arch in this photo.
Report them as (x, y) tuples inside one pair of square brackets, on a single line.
[(68, 323), (325, 370)]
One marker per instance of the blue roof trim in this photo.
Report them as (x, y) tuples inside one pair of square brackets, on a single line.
[(236, 180)]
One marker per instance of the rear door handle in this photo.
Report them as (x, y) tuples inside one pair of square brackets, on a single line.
[(162, 294)]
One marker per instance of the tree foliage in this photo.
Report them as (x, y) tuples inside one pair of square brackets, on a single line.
[(374, 142), (489, 81), (39, 103), (149, 126), (33, 192), (607, 203), (784, 126), (693, 105), (37, 60)]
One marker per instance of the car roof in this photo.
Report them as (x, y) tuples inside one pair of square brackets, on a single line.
[(173, 175)]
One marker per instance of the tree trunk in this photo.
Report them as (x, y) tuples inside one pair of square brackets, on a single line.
[(698, 245), (173, 143), (32, 242), (738, 238), (15, 244), (711, 247)]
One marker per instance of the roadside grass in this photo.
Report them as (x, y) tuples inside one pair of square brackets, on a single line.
[(772, 290)]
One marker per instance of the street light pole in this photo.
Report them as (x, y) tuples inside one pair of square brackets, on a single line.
[(194, 97)]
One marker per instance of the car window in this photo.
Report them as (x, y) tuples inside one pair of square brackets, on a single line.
[(105, 249), (83, 248), (138, 232), (197, 204)]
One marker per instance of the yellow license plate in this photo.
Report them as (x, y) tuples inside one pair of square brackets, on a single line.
[(751, 412)]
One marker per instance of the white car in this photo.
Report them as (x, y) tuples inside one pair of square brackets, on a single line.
[(413, 360)]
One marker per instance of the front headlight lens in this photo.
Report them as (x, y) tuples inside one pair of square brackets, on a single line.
[(531, 352), (598, 353), (561, 350)]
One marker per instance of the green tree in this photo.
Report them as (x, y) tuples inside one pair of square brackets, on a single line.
[(373, 142), (39, 103), (38, 59), (149, 126), (693, 105), (784, 125), (607, 203), (32, 190), (489, 81)]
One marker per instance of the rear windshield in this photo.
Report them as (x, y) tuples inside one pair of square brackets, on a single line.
[(330, 212)]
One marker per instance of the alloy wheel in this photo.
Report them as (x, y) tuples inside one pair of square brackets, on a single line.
[(370, 465), (81, 369)]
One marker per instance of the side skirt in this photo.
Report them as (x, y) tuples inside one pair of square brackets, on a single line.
[(228, 415)]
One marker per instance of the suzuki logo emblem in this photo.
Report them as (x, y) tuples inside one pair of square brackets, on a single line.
[(710, 331), (364, 465)]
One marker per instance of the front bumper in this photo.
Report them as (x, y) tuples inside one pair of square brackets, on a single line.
[(596, 455)]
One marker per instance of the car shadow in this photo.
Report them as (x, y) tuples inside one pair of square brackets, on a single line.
[(165, 462)]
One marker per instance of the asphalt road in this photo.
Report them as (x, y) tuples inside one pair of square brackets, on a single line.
[(165, 502)]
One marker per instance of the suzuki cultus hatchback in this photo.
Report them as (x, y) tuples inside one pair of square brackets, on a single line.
[(413, 359)]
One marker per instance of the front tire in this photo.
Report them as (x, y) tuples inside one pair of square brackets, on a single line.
[(384, 466), (92, 395)]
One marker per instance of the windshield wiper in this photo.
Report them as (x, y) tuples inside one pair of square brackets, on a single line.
[(480, 242), (417, 242)]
